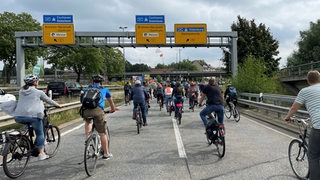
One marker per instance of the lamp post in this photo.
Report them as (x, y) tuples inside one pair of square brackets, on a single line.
[(124, 55)]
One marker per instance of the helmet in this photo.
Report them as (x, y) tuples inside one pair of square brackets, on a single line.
[(98, 78), (192, 83), (228, 85), (137, 82), (30, 79), (178, 84)]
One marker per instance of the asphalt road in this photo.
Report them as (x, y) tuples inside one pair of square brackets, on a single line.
[(161, 151)]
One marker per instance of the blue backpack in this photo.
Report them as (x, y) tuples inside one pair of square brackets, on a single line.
[(233, 92)]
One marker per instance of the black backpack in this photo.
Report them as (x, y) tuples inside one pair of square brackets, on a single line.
[(91, 97), (212, 129)]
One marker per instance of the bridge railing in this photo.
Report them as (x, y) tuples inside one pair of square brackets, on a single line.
[(300, 70)]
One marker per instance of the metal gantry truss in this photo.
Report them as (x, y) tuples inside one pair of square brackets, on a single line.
[(122, 40)]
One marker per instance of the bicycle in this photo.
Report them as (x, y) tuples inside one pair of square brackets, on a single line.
[(19, 146), (93, 149), (178, 115), (127, 99), (192, 101), (234, 112), (298, 148), (215, 134), (138, 118), (170, 106), (160, 102)]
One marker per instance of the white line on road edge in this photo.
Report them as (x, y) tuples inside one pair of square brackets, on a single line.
[(182, 152), (69, 131)]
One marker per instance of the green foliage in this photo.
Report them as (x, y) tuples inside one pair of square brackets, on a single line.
[(251, 78), (9, 24), (256, 41), (308, 46)]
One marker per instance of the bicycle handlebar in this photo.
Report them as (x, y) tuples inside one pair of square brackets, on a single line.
[(304, 121)]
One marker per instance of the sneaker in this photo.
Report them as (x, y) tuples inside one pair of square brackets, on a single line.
[(109, 156), (43, 157)]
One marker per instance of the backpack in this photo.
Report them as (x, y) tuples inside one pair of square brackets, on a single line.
[(126, 87), (91, 98), (233, 91), (212, 129)]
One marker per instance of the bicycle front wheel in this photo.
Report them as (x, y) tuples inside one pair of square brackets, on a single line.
[(236, 115), (220, 143), (227, 112), (16, 157), (298, 159), (91, 154), (52, 138), (179, 117)]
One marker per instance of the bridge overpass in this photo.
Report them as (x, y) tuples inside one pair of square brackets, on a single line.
[(295, 78)]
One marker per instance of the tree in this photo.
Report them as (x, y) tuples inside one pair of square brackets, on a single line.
[(251, 77), (81, 60), (255, 41), (9, 24), (308, 46)]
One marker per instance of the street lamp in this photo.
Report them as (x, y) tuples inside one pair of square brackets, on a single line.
[(124, 56)]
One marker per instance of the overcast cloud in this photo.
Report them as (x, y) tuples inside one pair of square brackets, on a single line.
[(285, 18)]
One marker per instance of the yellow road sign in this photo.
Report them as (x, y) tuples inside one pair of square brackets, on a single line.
[(150, 34), (190, 33), (58, 33)]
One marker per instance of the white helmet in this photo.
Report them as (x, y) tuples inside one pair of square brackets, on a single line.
[(138, 82), (30, 79)]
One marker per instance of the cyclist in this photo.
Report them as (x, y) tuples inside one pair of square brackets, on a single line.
[(177, 95), (160, 94), (186, 87), (168, 94), (148, 90), (139, 96), (193, 93), (310, 98), (30, 109), (231, 95), (97, 113), (214, 101), (127, 89)]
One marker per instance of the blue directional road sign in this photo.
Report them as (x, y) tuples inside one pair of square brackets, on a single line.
[(57, 19), (150, 19)]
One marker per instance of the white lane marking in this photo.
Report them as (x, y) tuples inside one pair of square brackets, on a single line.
[(69, 131), (272, 129), (181, 150)]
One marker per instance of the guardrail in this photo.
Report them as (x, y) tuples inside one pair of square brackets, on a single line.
[(7, 120)]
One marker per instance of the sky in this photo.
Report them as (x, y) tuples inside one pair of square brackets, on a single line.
[(284, 18)]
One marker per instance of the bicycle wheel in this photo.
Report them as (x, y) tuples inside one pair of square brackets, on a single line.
[(138, 122), (220, 143), (52, 140), (227, 112), (236, 115), (179, 117), (91, 154), (298, 159), (170, 111), (192, 105), (16, 157)]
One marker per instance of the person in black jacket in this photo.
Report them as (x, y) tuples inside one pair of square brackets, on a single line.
[(139, 96)]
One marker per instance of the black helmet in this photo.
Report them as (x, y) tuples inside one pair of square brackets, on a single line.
[(30, 79), (98, 78)]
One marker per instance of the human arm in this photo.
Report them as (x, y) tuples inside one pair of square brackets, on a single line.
[(203, 95), (46, 99), (294, 108), (112, 106)]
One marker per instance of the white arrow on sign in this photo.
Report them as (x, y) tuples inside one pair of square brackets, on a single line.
[(58, 34)]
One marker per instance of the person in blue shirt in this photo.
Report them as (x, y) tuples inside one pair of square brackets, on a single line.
[(139, 96), (98, 115)]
